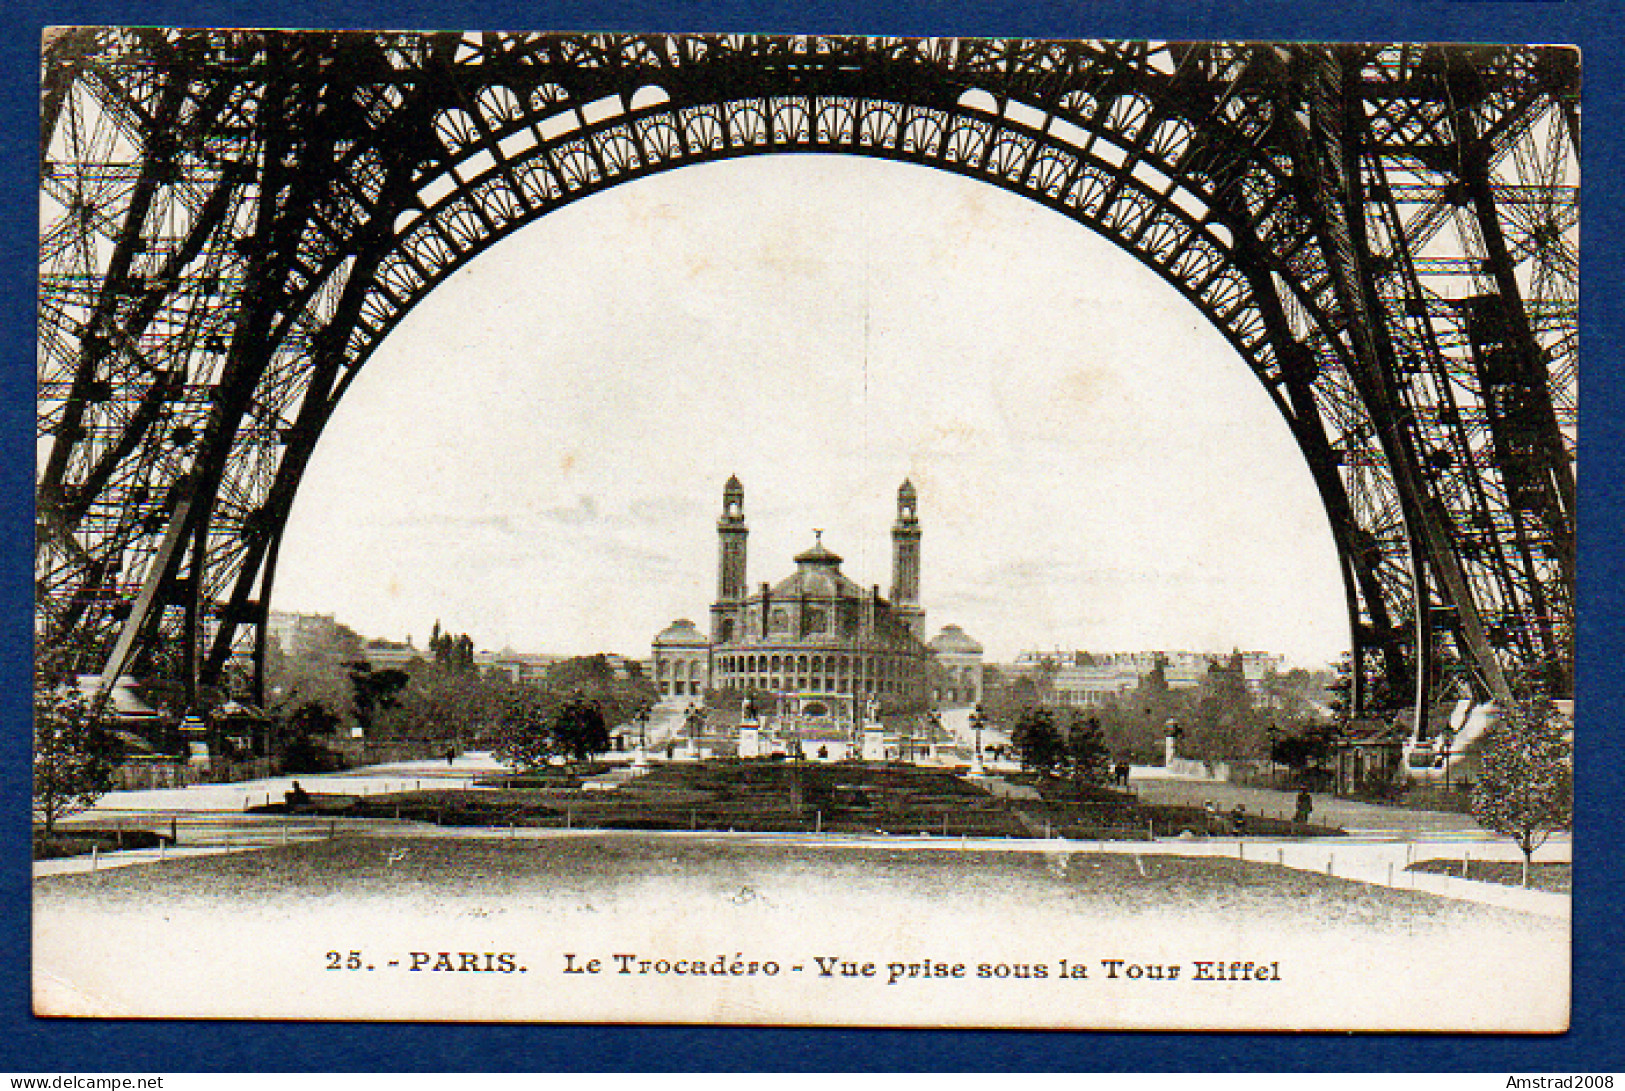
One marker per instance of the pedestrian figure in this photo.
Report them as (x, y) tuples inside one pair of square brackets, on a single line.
[(451, 756), (1120, 773), (1306, 804), (1238, 819), (1214, 825)]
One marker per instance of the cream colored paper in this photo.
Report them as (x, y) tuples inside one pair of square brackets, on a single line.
[(536, 454)]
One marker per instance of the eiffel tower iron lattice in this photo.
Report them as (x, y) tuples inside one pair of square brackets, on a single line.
[(232, 221)]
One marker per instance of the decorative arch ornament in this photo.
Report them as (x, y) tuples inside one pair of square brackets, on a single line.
[(233, 221)]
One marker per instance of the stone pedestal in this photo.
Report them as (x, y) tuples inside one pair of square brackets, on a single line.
[(874, 745)]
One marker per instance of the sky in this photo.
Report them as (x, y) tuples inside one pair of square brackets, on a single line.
[(536, 455)]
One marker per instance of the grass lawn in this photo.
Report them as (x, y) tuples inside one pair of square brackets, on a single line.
[(81, 842), (739, 796), (761, 796), (602, 868), (1555, 877), (1092, 811)]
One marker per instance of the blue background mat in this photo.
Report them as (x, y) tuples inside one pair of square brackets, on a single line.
[(1597, 1040)]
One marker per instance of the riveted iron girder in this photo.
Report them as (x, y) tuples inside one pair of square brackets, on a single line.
[(233, 221)]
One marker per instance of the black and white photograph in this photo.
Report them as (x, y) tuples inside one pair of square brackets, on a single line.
[(805, 530)]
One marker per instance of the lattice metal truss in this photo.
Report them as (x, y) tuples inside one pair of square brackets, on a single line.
[(232, 222)]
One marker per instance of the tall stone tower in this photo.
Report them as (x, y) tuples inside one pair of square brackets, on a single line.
[(905, 559), (731, 535)]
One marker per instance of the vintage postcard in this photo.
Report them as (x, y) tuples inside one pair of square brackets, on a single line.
[(805, 530)]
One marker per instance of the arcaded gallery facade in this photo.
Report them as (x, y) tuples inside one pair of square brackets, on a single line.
[(816, 641)]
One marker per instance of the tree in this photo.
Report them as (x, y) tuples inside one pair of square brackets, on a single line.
[(454, 653), (446, 704), (1296, 694), (538, 726), (1379, 694), (74, 757), (374, 691), (1309, 747), (579, 729), (1036, 741), (312, 718), (1043, 677), (1153, 693), (1131, 731), (1134, 723), (1225, 724), (1086, 756), (594, 678), (524, 735), (313, 673), (1525, 786)]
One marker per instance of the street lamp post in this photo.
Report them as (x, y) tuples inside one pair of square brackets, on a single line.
[(977, 719), (1447, 740), (1274, 733), (694, 726), (642, 759)]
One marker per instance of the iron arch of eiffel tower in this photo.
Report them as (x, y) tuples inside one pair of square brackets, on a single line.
[(232, 222)]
